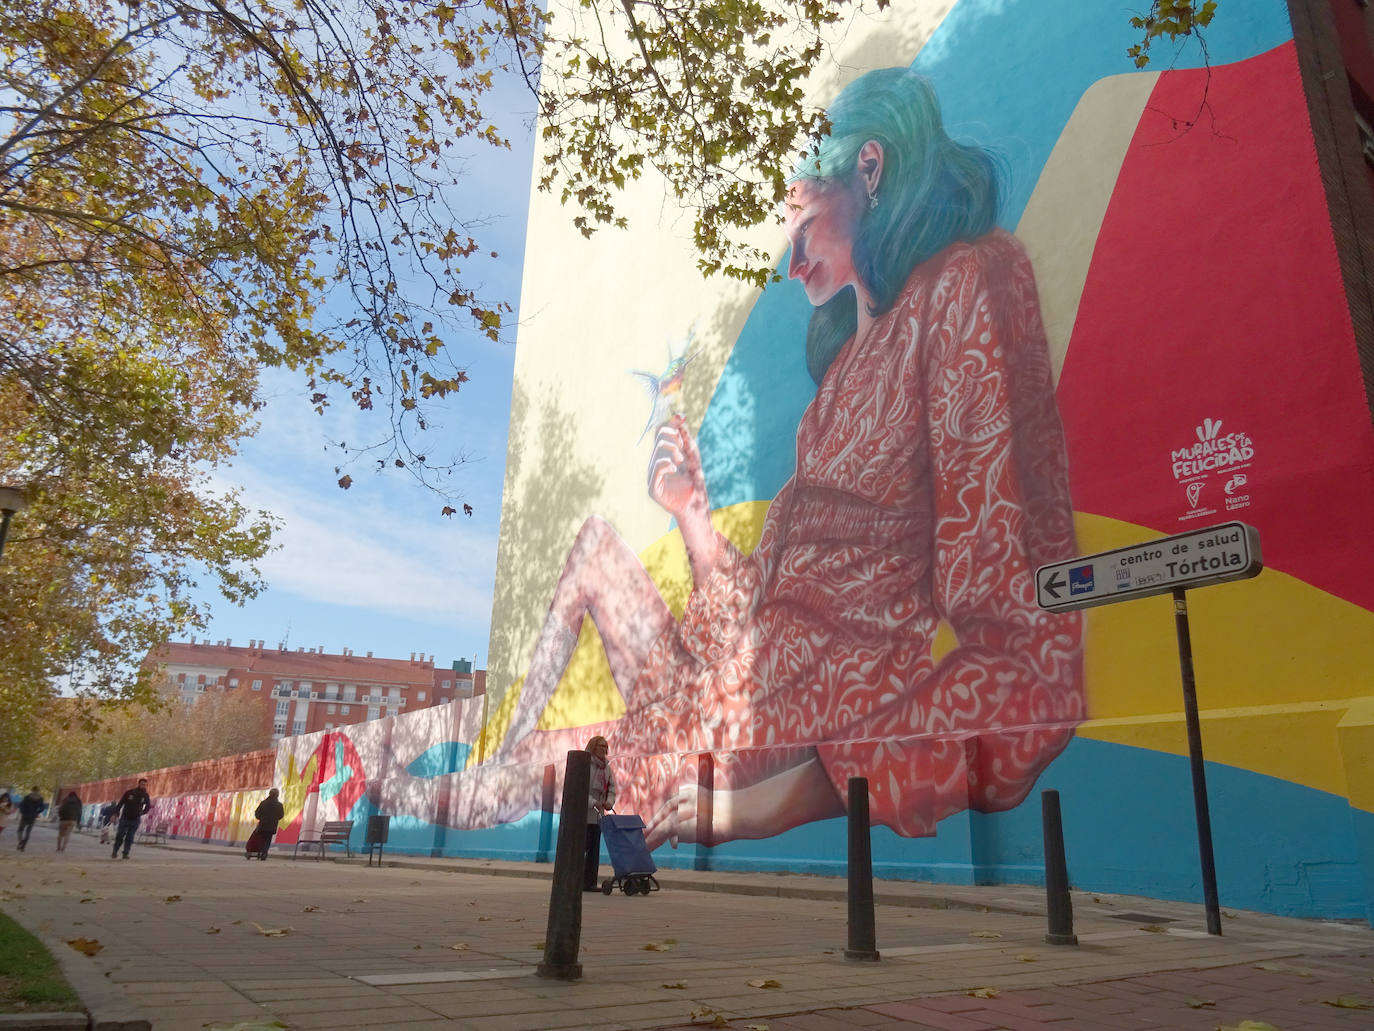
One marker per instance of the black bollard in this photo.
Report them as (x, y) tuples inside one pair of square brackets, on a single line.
[(1058, 903), (545, 851), (863, 935), (706, 766), (564, 934)]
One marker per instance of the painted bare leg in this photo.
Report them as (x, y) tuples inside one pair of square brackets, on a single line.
[(604, 580)]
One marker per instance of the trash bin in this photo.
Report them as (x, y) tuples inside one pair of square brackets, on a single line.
[(378, 829)]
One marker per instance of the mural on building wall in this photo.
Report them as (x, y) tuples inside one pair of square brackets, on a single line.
[(931, 480)]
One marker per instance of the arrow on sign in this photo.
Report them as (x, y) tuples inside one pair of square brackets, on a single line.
[(1053, 584)]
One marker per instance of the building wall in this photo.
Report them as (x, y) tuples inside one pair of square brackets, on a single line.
[(1202, 326)]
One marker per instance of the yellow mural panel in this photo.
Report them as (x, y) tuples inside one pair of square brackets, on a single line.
[(1277, 661)]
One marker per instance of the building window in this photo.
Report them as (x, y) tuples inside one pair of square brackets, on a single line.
[(279, 728), (343, 710), (233, 681), (446, 684), (257, 685), (298, 727), (373, 712), (200, 688), (330, 709), (348, 693), (419, 696), (283, 708), (329, 726)]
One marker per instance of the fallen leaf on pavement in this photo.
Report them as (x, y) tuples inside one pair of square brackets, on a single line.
[(1247, 1025), (983, 993), (674, 984), (1348, 1002), (1284, 968), (172, 898), (483, 919), (755, 1027), (417, 946), (764, 982), (360, 900), (93, 898), (271, 932), (311, 909), (986, 934), (212, 930), (1027, 957), (656, 947), (538, 945), (85, 946), (1153, 928), (1197, 1003), (460, 947), (709, 1017), (247, 1025)]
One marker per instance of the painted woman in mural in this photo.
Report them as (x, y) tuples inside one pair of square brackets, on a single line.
[(931, 480)]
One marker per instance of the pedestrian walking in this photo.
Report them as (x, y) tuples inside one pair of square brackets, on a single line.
[(600, 801), (68, 816), (6, 811), (130, 807), (269, 813), (30, 808)]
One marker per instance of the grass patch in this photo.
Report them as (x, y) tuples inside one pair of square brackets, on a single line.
[(32, 981)]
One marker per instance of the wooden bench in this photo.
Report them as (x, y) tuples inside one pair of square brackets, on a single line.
[(156, 832), (334, 832)]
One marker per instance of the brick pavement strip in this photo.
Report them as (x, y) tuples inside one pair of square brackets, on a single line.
[(187, 935)]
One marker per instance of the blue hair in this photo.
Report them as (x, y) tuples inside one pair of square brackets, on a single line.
[(933, 191)]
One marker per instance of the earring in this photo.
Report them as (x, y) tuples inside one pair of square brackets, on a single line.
[(873, 198)]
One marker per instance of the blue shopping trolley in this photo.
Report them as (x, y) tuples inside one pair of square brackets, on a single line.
[(634, 867)]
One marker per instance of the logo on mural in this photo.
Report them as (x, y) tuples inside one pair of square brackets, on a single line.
[(1213, 454)]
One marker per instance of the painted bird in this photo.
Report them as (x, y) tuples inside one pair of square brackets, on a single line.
[(663, 389)]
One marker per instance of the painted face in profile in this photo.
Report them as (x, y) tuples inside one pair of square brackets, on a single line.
[(821, 222)]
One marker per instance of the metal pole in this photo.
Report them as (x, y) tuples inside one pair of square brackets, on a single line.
[(1059, 905), (863, 937), (564, 935), (1204, 819)]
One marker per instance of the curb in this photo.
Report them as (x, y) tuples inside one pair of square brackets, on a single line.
[(107, 1009)]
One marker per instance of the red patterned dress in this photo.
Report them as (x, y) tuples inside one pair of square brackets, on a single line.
[(931, 481)]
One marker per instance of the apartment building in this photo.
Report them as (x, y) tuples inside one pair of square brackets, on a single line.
[(308, 689)]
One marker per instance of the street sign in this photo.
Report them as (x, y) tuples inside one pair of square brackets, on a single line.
[(1197, 558)]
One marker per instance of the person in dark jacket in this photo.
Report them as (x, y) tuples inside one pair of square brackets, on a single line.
[(68, 816), (269, 813), (131, 807), (30, 808)]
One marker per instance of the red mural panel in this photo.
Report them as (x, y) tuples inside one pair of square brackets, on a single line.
[(1219, 314)]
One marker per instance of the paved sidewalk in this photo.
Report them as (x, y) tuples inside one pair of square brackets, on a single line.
[(193, 936)]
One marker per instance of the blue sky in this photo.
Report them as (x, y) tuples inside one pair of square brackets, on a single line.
[(377, 567)]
